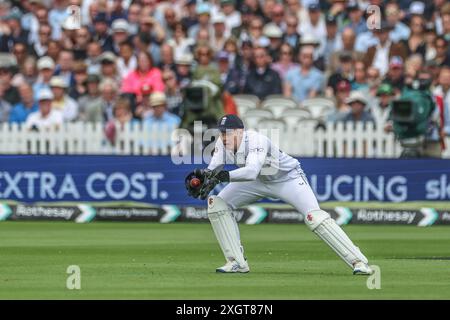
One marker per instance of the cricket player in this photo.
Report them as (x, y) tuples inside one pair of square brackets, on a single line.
[(263, 171)]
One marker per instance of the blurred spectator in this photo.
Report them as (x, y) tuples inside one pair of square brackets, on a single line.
[(332, 40), (56, 16), (40, 46), (80, 76), (120, 33), (5, 106), (90, 104), (190, 17), (358, 111), (305, 81), (415, 44), (64, 68), (218, 35), (108, 66), (344, 71), (11, 94), (13, 32), (203, 11), (22, 110), (46, 67), (262, 80), (393, 16), (356, 19), (241, 32), (443, 91), (183, 66), (232, 16), (80, 46), (122, 116), (100, 32), (378, 55), (159, 115), (395, 76), (343, 89), (127, 61), (291, 35), (348, 45), (61, 100), (285, 62), (109, 93), (167, 57), (382, 107), (27, 71), (205, 68), (174, 98), (274, 34), (46, 117), (145, 73), (442, 52), (360, 77), (223, 64), (180, 43), (314, 24), (143, 109)]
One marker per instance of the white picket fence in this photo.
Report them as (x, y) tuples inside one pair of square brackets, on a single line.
[(337, 140)]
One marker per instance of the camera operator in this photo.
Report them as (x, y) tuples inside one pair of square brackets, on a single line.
[(416, 119)]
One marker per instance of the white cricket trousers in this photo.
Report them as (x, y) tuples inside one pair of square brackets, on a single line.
[(295, 192)]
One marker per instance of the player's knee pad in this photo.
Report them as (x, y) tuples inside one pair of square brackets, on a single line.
[(224, 226), (328, 230)]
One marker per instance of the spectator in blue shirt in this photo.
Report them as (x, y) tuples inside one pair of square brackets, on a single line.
[(21, 110), (305, 81), (160, 116)]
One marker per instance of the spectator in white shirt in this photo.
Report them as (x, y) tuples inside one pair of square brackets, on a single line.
[(61, 101), (46, 117)]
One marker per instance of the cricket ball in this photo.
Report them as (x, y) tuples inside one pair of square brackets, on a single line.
[(195, 182)]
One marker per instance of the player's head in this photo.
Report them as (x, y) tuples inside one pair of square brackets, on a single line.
[(231, 130)]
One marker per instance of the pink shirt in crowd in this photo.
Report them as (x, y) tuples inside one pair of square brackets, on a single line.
[(134, 81)]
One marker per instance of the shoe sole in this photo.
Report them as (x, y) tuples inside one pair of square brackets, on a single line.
[(222, 271), (360, 273)]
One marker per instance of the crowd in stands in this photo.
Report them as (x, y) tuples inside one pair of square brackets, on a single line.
[(119, 61)]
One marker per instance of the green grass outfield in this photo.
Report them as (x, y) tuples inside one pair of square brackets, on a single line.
[(177, 261)]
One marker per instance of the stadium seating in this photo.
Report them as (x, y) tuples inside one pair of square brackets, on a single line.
[(277, 104), (319, 106), (245, 102), (253, 116)]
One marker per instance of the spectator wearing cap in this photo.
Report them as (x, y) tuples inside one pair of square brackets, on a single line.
[(275, 35), (314, 25), (232, 16), (145, 73), (189, 18), (218, 35), (358, 109), (262, 80), (61, 100), (27, 105), (395, 75), (306, 81), (46, 68), (356, 20), (56, 17), (108, 67), (379, 55), (120, 33), (183, 64), (241, 32), (64, 68), (344, 71), (223, 64), (285, 61), (203, 11), (382, 106), (101, 32), (400, 30), (343, 88), (332, 39), (14, 31), (160, 117), (5, 106), (46, 117), (291, 35), (80, 75), (7, 63), (416, 44), (90, 104)]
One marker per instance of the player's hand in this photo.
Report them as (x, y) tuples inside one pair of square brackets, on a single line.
[(194, 191), (212, 180)]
